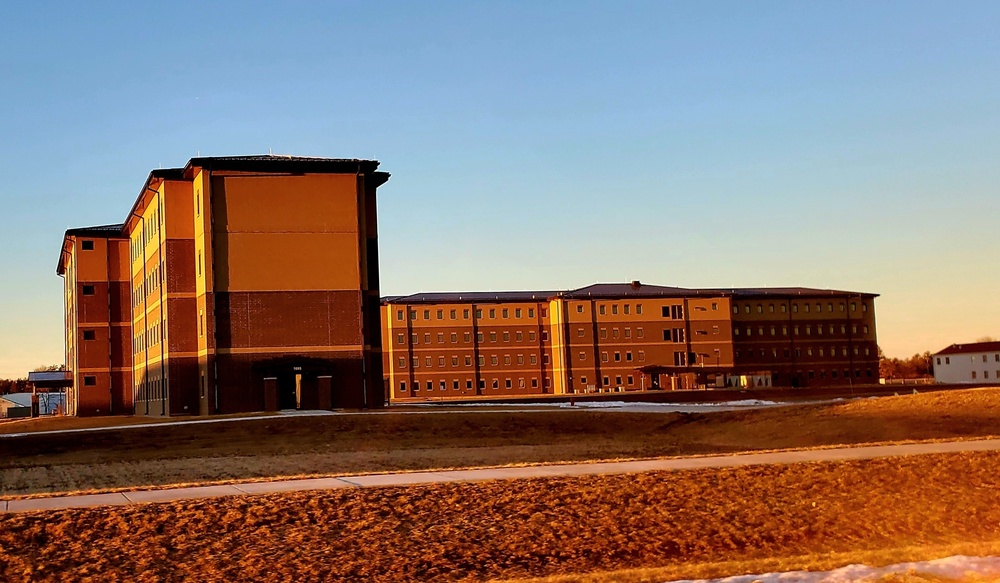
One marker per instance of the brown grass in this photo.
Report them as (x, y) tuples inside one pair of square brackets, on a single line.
[(530, 528), (298, 446)]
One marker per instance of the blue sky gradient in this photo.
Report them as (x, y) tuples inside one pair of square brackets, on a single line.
[(847, 145)]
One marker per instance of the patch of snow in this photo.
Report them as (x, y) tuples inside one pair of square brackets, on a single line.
[(622, 404), (955, 567)]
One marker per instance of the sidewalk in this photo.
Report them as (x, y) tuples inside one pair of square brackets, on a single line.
[(541, 471)]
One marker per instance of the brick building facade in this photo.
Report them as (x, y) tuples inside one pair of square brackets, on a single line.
[(624, 337), (235, 284)]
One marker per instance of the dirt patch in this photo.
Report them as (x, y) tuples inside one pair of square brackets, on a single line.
[(525, 528), (293, 446)]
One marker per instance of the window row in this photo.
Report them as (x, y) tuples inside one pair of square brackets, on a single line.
[(620, 381), (150, 228), (617, 356), (807, 307), (504, 313), (148, 339), (807, 351), (152, 389), (149, 284), (797, 329), (639, 333), (456, 385), (467, 337), (986, 374), (494, 360), (602, 309)]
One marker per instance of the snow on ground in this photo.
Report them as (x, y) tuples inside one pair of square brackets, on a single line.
[(957, 567), (623, 404)]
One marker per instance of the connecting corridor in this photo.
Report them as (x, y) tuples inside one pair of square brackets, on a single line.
[(513, 473)]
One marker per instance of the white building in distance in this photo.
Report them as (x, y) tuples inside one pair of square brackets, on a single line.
[(976, 362)]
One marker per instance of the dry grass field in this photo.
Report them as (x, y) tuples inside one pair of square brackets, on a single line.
[(299, 446), (532, 528)]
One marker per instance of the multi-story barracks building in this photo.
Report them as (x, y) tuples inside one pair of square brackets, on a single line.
[(233, 284), (624, 337)]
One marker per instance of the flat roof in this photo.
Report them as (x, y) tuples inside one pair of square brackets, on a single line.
[(617, 290)]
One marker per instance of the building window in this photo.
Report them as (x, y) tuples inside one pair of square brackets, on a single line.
[(465, 314), (494, 360), (973, 375), (614, 309), (89, 381), (429, 361), (618, 381), (506, 359), (638, 308), (507, 384), (607, 381), (580, 333), (399, 314), (430, 386), (583, 356), (506, 336), (533, 359), (628, 357), (531, 312), (88, 290), (604, 357), (87, 245), (440, 316), (402, 386), (468, 361), (600, 309), (642, 356), (520, 359), (493, 314), (453, 314), (454, 337), (402, 362), (517, 312), (506, 313), (618, 357), (440, 361), (427, 316), (89, 335), (493, 336)]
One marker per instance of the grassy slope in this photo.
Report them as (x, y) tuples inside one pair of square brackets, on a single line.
[(529, 528), (345, 444)]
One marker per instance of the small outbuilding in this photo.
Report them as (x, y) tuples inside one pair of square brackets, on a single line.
[(19, 404), (975, 362)]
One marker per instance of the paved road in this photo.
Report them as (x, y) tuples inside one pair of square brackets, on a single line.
[(542, 471)]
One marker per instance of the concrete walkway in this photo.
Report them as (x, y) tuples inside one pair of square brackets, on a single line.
[(541, 471)]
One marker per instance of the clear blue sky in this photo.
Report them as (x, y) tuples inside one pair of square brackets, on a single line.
[(849, 145)]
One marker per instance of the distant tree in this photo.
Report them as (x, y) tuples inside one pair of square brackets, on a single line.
[(986, 339), (8, 386), (50, 368), (917, 366)]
